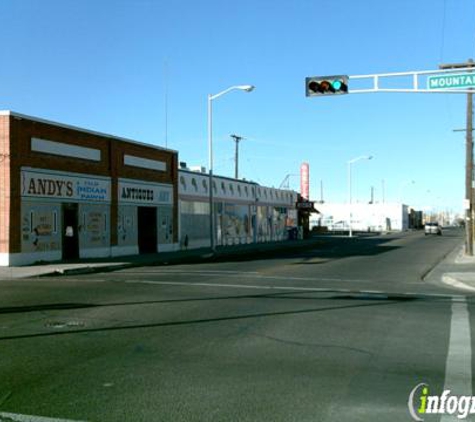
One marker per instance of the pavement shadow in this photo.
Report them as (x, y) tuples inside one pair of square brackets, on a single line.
[(328, 249), (363, 302)]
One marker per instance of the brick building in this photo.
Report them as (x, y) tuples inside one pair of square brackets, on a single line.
[(68, 193)]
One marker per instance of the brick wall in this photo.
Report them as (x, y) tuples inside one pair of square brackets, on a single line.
[(4, 183), (111, 165)]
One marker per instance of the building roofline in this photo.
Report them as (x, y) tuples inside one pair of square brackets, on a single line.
[(232, 179), (80, 129)]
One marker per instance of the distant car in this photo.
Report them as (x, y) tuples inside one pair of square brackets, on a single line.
[(432, 228)]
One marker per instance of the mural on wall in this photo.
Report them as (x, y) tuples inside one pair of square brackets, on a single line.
[(165, 229), (94, 226), (236, 221), (125, 226), (39, 230)]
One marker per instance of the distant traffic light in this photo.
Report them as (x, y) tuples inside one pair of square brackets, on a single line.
[(326, 85)]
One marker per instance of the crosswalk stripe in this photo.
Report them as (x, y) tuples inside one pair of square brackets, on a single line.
[(13, 417)]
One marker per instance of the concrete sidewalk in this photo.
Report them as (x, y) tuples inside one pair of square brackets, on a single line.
[(460, 271), (86, 266)]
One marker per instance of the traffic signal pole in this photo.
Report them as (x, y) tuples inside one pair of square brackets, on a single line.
[(469, 177), (468, 163), (454, 78)]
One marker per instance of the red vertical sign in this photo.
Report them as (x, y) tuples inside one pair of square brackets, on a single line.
[(304, 181)]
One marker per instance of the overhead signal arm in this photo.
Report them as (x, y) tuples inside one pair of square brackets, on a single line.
[(446, 81)]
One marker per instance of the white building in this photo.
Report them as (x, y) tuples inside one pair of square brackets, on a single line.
[(364, 217)]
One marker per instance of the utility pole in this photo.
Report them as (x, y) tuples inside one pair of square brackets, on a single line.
[(468, 162), (236, 139)]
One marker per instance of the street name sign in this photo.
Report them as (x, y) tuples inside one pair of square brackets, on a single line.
[(451, 81)]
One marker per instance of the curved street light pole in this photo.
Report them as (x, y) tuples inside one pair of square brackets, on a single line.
[(211, 97), (354, 160)]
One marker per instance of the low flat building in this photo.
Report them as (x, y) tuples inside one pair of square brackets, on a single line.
[(376, 217), (68, 193), (245, 212)]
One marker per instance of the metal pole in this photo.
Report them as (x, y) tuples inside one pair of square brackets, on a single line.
[(210, 163), (354, 160), (350, 234), (166, 102), (236, 163), (468, 163), (469, 177)]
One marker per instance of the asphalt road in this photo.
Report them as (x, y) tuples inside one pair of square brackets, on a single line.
[(343, 332)]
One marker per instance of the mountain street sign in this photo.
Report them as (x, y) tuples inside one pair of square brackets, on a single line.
[(451, 81)]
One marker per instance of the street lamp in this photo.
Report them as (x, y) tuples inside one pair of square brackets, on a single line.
[(245, 88), (354, 160)]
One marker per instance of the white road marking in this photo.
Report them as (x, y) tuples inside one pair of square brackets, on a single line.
[(290, 289), (13, 417), (238, 274), (191, 271), (456, 283), (237, 286), (458, 369)]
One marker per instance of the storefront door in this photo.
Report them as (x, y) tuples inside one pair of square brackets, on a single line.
[(70, 231), (147, 229)]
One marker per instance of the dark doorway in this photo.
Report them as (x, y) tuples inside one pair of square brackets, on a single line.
[(70, 231), (147, 229)]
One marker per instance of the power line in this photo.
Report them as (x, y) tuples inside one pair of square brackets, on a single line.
[(442, 44)]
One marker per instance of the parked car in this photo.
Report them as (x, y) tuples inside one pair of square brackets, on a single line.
[(432, 228)]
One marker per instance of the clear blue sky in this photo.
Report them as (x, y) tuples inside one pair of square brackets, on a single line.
[(106, 65)]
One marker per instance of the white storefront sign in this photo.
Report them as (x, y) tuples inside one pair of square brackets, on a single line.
[(134, 192), (64, 186)]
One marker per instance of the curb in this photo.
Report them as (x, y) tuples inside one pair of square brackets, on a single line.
[(432, 266), (84, 270)]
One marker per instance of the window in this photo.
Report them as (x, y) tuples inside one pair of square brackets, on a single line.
[(183, 183)]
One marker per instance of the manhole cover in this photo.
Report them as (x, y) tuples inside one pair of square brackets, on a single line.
[(64, 324)]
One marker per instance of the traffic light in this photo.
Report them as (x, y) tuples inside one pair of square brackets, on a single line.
[(326, 85)]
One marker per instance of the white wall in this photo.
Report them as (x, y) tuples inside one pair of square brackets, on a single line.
[(372, 217)]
